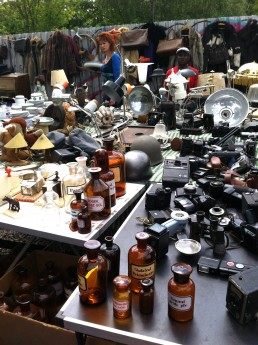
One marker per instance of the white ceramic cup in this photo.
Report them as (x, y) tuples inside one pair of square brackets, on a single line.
[(37, 96), (20, 99)]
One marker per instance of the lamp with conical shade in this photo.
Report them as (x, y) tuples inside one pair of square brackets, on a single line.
[(16, 143), (43, 143)]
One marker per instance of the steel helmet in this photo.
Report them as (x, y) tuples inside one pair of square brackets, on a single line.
[(137, 166), (149, 145)]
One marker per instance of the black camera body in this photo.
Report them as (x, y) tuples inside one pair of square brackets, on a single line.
[(249, 200), (242, 295), (189, 191), (158, 200)]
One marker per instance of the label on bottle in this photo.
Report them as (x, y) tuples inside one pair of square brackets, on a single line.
[(74, 214), (82, 282), (142, 272), (112, 186), (117, 172), (120, 306), (81, 223), (181, 303), (96, 203), (70, 189)]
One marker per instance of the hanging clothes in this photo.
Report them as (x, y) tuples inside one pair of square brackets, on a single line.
[(221, 32), (248, 40), (58, 54), (193, 41)]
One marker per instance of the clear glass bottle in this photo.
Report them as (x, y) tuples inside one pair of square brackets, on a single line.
[(83, 169), (107, 175), (71, 182), (45, 299), (23, 283), (146, 296), (117, 165), (54, 278), (98, 196), (181, 293), (3, 305), (84, 220), (122, 297), (92, 274), (76, 206), (27, 309), (111, 251), (141, 261), (50, 211)]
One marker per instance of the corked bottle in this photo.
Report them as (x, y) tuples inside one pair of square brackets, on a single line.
[(107, 175), (98, 196), (75, 207), (181, 292), (92, 274), (141, 261), (111, 251), (117, 165)]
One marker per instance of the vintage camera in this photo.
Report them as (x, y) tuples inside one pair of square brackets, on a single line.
[(242, 295), (158, 200), (175, 172), (185, 204), (189, 191), (247, 234), (220, 129), (204, 202), (177, 223), (159, 238), (249, 200)]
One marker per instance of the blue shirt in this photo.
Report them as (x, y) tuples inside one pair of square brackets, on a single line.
[(111, 69)]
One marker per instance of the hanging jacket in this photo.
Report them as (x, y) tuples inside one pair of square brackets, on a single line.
[(193, 41), (229, 34), (248, 39)]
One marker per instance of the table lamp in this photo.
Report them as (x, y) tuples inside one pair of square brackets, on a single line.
[(58, 77), (113, 89), (16, 143), (42, 144)]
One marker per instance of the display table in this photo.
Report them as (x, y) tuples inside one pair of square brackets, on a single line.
[(29, 220), (212, 323)]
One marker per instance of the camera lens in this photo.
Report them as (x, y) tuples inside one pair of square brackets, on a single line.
[(216, 189)]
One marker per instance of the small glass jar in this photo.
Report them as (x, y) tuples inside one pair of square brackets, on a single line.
[(84, 220), (146, 296), (122, 297), (111, 251), (181, 292)]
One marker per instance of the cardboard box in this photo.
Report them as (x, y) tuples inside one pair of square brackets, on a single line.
[(17, 330)]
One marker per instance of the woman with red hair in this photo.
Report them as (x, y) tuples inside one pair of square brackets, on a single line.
[(112, 62)]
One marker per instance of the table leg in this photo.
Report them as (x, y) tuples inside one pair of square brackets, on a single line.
[(81, 338)]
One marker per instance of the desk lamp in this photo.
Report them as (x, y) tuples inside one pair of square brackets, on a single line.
[(42, 144), (58, 77), (16, 143), (157, 78)]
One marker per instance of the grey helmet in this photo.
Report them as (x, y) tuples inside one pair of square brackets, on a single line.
[(150, 146), (137, 166)]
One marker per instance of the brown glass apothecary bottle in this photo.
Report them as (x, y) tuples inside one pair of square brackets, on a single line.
[(122, 297), (97, 195), (141, 261), (117, 165), (146, 296), (26, 308), (111, 251), (181, 293), (84, 220), (75, 208), (92, 274), (106, 174)]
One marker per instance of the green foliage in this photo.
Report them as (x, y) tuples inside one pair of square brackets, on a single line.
[(21, 16)]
